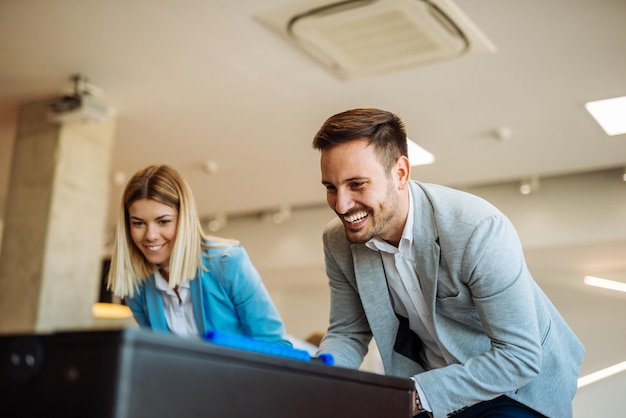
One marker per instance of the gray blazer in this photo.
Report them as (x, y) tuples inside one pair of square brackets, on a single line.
[(488, 312)]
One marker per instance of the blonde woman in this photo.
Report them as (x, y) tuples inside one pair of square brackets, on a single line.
[(175, 278)]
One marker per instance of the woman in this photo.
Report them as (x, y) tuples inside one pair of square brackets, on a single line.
[(176, 279)]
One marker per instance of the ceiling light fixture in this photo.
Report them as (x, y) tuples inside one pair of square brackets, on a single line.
[(119, 178), (601, 374), (277, 216), (610, 114), (210, 167), (528, 186), (604, 283), (502, 133), (418, 155), (216, 222)]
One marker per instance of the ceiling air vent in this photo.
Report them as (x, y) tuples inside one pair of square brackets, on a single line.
[(360, 38)]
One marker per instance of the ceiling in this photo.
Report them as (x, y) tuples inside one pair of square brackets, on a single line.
[(197, 81)]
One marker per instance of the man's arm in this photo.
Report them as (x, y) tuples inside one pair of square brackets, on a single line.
[(348, 333)]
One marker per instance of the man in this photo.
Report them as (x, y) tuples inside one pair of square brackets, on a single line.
[(438, 278)]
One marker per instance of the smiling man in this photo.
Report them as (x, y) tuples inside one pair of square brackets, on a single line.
[(438, 278)]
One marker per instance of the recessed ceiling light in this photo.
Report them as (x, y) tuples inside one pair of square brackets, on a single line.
[(529, 185), (605, 284), (418, 155), (610, 114)]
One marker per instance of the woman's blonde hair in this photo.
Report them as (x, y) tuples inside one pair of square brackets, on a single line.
[(129, 267)]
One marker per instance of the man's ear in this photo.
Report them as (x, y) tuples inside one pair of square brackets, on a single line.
[(402, 169)]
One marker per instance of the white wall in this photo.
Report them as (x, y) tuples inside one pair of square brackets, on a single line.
[(604, 399)]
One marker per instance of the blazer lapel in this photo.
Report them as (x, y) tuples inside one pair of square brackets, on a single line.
[(428, 252), (154, 302), (426, 242), (372, 286), (195, 287)]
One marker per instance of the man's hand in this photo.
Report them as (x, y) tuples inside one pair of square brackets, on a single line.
[(417, 405)]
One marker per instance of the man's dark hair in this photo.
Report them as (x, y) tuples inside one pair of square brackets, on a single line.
[(378, 127)]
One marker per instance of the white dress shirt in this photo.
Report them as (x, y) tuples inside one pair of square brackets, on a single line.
[(178, 311)]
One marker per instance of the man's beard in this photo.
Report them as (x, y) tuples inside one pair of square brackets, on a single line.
[(376, 220)]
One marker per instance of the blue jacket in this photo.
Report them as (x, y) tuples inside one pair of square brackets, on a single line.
[(227, 296)]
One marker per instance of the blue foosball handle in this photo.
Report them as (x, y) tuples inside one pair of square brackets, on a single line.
[(249, 344)]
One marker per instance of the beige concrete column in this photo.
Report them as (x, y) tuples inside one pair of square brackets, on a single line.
[(54, 223)]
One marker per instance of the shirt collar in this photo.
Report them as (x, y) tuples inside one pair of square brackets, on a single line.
[(161, 283)]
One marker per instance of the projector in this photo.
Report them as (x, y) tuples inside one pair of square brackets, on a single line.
[(78, 108)]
